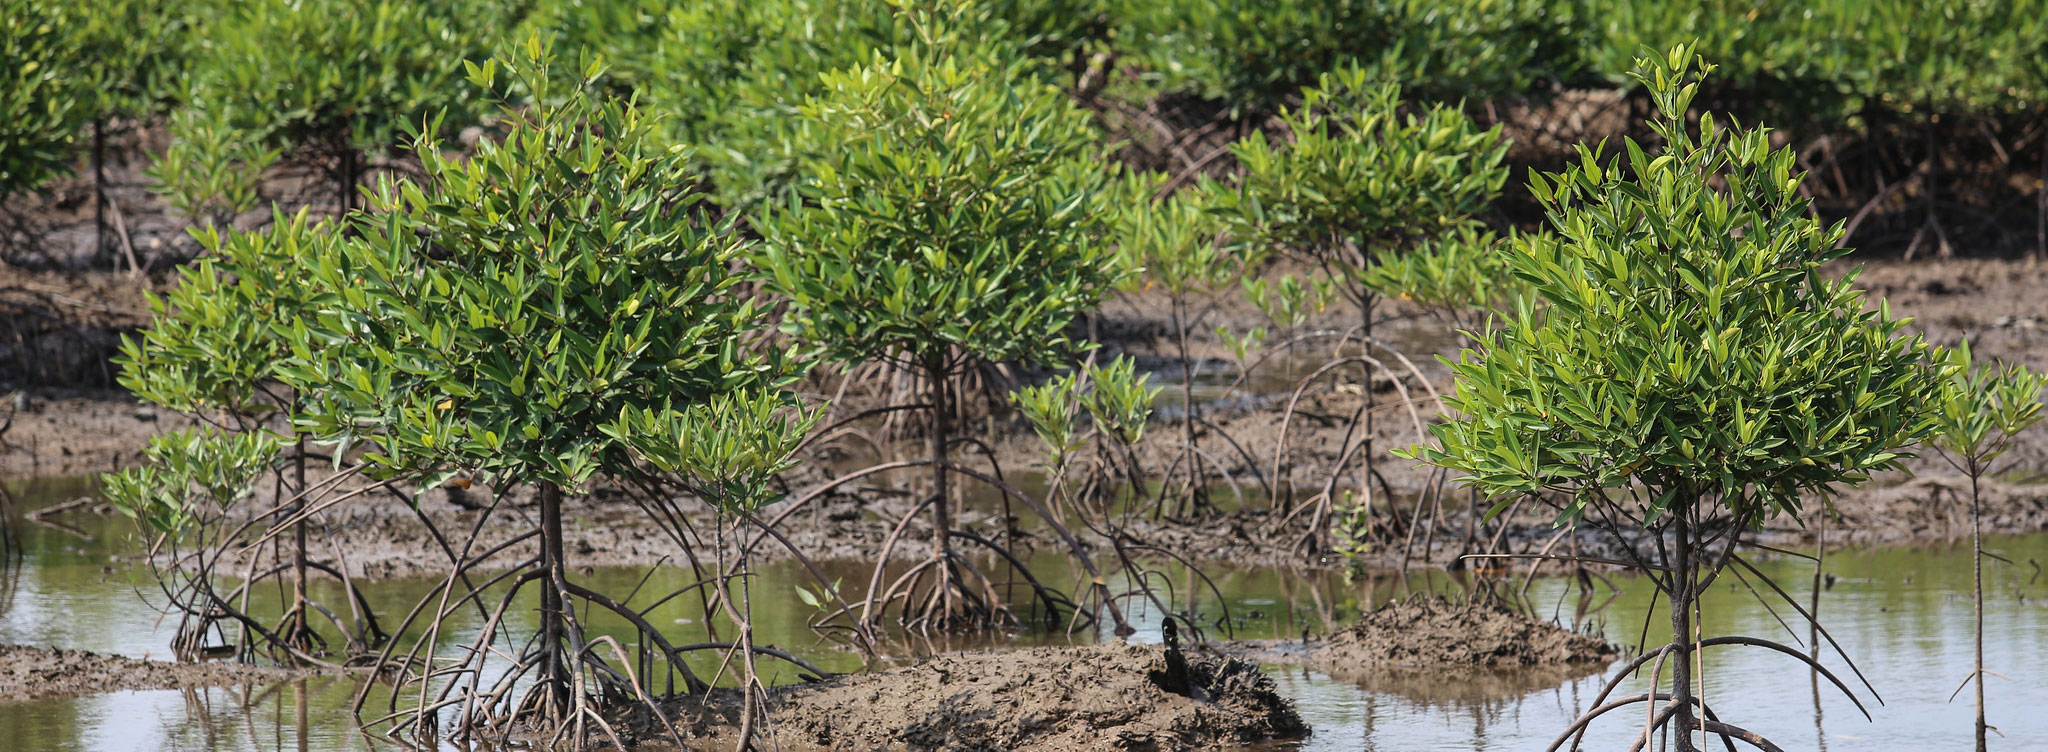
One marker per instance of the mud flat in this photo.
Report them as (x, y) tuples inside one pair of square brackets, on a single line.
[(1434, 650), (1049, 699), (31, 673)]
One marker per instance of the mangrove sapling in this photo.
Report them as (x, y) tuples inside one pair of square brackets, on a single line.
[(1982, 410), (1461, 279), (1358, 180), (184, 498), (339, 80), (1090, 473), (1287, 305), (547, 312), (212, 351), (1694, 373), (1176, 243), (726, 452), (952, 219)]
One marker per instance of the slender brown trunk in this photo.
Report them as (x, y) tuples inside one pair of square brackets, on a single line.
[(1977, 595), (1820, 553), (349, 158), (1682, 596), (1365, 308), (554, 672), (99, 190), (942, 522), (300, 605), (1196, 477)]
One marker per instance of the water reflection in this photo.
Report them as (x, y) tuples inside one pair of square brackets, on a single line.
[(1902, 614)]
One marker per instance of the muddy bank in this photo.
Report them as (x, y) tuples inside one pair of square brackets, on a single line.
[(1421, 632), (1930, 508), (29, 673), (1430, 633), (68, 432), (1043, 699), (1434, 650)]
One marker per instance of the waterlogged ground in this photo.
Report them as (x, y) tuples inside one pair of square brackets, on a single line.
[(1902, 614)]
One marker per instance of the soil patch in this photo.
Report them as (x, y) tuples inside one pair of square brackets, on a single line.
[(1058, 698), (1431, 632), (30, 673), (1421, 632), (51, 432)]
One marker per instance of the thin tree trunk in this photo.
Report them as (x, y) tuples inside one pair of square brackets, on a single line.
[(348, 176), (1365, 308), (1196, 476), (554, 672), (1681, 626), (99, 190), (1820, 552), (942, 523), (300, 625), (348, 180), (1977, 595)]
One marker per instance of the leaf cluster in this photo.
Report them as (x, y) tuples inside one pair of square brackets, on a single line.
[(728, 448), (1257, 55), (543, 310), (218, 336), (191, 478), (1983, 407), (362, 72), (1358, 175), (1465, 269), (1825, 64), (731, 74), (1116, 398), (39, 102), (951, 213), (1691, 347), (1174, 241)]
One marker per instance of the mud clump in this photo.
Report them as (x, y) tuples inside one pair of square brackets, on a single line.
[(30, 673), (1431, 632), (1045, 699)]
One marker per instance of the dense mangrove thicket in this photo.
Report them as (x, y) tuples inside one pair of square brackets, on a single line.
[(526, 282)]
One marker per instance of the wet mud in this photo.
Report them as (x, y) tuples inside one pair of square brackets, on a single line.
[(31, 673), (1051, 699)]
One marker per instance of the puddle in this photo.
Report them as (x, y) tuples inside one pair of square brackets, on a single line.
[(1903, 615)]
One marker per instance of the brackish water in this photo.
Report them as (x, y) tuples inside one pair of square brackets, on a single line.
[(1902, 614)]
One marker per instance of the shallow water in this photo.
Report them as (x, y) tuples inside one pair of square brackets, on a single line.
[(1902, 614)]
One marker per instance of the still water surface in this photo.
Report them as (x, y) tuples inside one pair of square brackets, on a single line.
[(1902, 614)]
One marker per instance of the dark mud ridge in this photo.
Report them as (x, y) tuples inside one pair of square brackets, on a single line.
[(1433, 649), (1423, 632), (1050, 699), (30, 673)]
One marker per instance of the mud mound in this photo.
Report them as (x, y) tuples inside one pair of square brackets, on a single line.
[(1063, 698), (1434, 632), (29, 673)]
